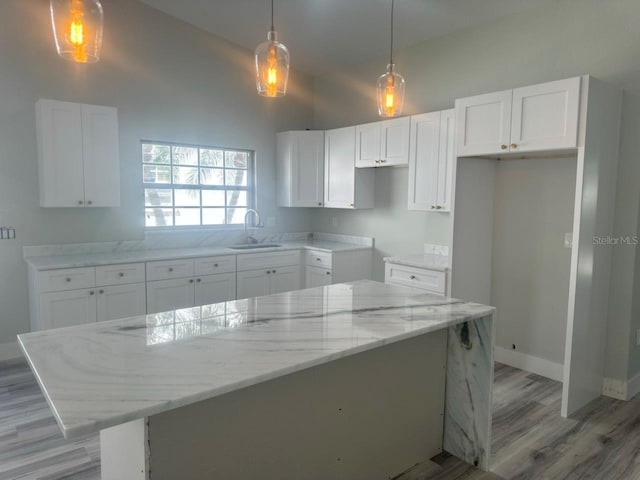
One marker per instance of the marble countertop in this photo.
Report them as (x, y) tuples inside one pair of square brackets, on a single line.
[(432, 262), (52, 262), (99, 375)]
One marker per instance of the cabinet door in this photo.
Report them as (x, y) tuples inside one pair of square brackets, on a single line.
[(395, 141), (545, 117), (423, 164), (101, 156), (215, 288), (164, 295), (307, 169), (60, 159), (368, 141), (317, 277), (284, 279), (65, 309), (339, 151), (484, 124), (446, 159), (253, 283), (121, 301)]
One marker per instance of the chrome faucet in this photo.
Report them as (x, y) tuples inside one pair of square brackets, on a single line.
[(257, 223)]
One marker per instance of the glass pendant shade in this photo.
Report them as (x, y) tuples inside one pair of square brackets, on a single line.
[(272, 67), (77, 29), (390, 93)]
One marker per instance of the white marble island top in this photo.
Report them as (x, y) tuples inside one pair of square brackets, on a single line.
[(100, 375)]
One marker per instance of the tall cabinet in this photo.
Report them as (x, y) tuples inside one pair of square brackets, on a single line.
[(431, 161), (300, 164), (78, 157), (345, 186)]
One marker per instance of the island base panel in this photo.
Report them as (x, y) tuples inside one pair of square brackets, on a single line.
[(364, 417), (468, 408), (123, 451)]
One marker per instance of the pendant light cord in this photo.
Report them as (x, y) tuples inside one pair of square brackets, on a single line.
[(391, 54), (272, 27)]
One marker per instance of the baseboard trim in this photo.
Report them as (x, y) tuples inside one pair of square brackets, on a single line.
[(529, 363), (10, 351), (621, 389), (633, 386)]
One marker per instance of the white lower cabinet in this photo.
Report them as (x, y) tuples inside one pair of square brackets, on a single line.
[(67, 308), (432, 281), (215, 288), (165, 295), (284, 279), (256, 283), (317, 277), (121, 301)]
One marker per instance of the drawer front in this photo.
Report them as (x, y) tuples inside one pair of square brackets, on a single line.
[(257, 261), (119, 274), (430, 280), (215, 265), (167, 269), (315, 258), (66, 279)]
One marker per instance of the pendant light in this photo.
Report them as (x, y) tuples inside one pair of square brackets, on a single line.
[(390, 86), (272, 65), (77, 29)]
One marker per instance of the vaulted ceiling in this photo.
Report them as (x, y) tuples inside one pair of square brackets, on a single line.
[(323, 35)]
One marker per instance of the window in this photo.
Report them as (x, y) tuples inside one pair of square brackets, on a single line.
[(190, 186)]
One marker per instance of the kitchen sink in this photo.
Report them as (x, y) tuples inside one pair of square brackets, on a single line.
[(251, 246)]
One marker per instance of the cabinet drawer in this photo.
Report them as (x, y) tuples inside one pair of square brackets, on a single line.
[(315, 258), (215, 265), (167, 269), (431, 280), (66, 279), (119, 274), (256, 261)]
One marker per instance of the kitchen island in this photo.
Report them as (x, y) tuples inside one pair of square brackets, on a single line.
[(360, 380)]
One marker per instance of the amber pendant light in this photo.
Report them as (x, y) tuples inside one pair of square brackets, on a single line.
[(272, 65), (390, 90), (77, 29)]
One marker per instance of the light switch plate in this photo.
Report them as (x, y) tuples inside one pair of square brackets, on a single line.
[(334, 221), (568, 240)]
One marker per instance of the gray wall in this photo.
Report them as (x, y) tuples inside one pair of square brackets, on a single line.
[(562, 39), (533, 209), (169, 81)]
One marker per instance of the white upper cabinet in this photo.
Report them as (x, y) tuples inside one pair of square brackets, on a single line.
[(344, 186), (368, 140), (484, 124), (431, 160), (545, 117), (394, 148), (101, 159), (383, 144), (77, 155), (536, 118), (300, 163)]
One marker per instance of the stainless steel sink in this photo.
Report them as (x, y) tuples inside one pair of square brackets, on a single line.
[(251, 246)]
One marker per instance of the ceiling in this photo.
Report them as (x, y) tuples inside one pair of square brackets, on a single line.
[(323, 35)]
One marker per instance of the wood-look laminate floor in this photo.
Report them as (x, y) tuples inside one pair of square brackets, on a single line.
[(530, 439)]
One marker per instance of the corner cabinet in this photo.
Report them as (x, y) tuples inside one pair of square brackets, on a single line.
[(300, 166), (344, 185), (431, 161), (78, 158), (541, 117)]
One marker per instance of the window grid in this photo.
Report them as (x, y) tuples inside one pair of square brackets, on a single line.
[(159, 161)]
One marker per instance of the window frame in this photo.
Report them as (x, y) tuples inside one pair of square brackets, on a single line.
[(250, 188)]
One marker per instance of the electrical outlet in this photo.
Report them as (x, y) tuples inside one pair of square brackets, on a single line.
[(334, 221), (638, 338), (568, 240)]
